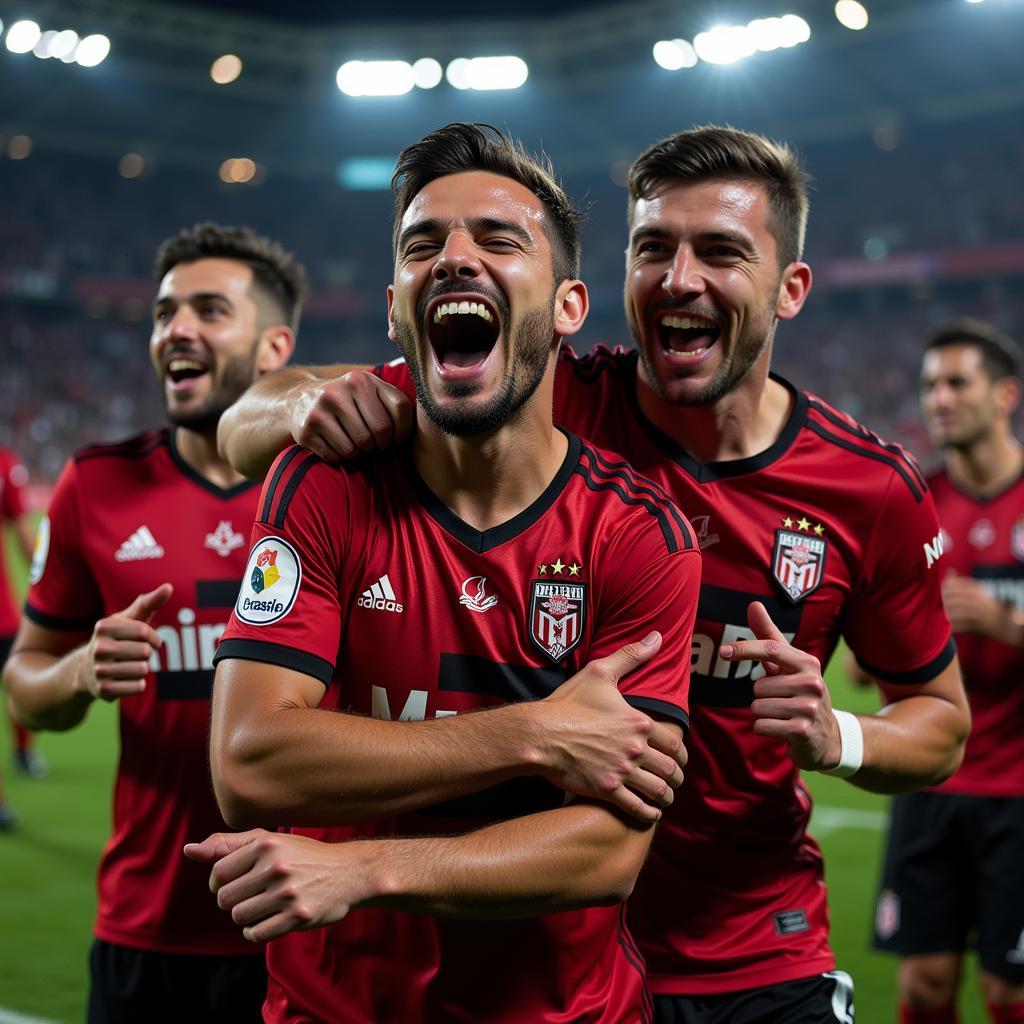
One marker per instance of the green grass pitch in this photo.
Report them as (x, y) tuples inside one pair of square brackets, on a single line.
[(47, 867)]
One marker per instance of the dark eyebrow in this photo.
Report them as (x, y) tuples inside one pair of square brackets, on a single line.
[(661, 234), (167, 300), (435, 225)]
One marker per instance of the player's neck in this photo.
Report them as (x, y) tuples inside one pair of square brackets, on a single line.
[(741, 424), (489, 479), (198, 450), (989, 464)]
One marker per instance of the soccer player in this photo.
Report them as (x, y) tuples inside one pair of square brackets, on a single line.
[(811, 527), (482, 564), (952, 875), (136, 569), (13, 477)]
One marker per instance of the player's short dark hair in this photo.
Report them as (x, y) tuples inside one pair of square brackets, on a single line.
[(1000, 354), (459, 147), (275, 271), (708, 152)]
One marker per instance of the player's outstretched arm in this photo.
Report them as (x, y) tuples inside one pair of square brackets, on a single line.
[(53, 676), (915, 740), (335, 411), (575, 856), (276, 757)]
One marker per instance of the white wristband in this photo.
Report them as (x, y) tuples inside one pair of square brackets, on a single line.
[(851, 745)]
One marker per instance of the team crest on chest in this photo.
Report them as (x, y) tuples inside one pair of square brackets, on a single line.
[(798, 562), (224, 539), (1017, 539), (558, 614)]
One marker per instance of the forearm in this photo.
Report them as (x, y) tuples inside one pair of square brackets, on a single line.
[(575, 856), (44, 691), (910, 743), (308, 766)]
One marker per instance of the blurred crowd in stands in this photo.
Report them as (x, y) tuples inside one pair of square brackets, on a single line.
[(77, 243)]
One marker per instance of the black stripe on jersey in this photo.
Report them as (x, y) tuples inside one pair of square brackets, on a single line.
[(133, 448), (187, 684), (641, 485), (653, 706), (869, 436), (888, 460), (276, 654), (917, 676), (467, 673), (216, 593), (292, 486), (41, 618), (282, 467), (636, 960)]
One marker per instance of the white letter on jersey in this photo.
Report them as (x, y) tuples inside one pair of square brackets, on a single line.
[(933, 550)]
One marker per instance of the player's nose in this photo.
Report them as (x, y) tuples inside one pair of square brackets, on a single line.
[(457, 258), (683, 275)]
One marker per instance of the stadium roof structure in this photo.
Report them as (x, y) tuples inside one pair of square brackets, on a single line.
[(594, 94)]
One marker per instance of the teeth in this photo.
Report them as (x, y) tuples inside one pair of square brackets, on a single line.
[(176, 365), (446, 309), (687, 322), (687, 355)]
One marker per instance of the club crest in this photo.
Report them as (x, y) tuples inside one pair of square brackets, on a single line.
[(558, 613), (798, 563)]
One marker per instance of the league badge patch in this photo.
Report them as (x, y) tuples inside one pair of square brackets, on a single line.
[(558, 613), (798, 563), (270, 584), (1017, 539)]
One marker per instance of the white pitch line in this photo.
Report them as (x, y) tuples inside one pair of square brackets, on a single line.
[(826, 820), (11, 1017)]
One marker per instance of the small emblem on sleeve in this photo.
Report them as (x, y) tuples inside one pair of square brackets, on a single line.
[(798, 563), (271, 583), (791, 922), (557, 617), (41, 550)]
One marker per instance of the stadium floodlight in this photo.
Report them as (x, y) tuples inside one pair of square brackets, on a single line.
[(19, 147), (794, 30), (375, 78), (673, 54), (225, 69), (44, 47), (365, 173), (724, 44), (22, 36), (427, 73), (487, 73), (851, 14), (131, 165), (767, 33), (92, 50), (63, 45)]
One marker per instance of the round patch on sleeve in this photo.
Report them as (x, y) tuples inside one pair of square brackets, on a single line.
[(271, 584), (41, 550)]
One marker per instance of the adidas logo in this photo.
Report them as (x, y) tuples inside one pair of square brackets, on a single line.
[(380, 597), (140, 545)]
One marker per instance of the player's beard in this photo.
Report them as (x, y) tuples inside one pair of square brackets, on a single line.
[(235, 376), (529, 342), (748, 350)]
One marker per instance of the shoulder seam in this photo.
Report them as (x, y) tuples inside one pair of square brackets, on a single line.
[(134, 448)]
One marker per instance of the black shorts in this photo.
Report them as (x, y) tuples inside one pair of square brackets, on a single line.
[(824, 999), (6, 643), (130, 986), (952, 880)]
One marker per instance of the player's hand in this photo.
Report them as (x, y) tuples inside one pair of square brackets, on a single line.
[(791, 701), (971, 609), (595, 745), (357, 412), (273, 884), (117, 656)]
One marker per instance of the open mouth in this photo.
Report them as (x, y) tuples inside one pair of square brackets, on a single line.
[(180, 370), (687, 336), (462, 333)]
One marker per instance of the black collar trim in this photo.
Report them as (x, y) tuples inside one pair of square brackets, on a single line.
[(977, 496), (484, 540), (225, 493)]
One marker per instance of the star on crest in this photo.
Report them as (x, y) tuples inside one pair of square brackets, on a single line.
[(787, 523), (819, 529), (542, 570), (803, 524), (558, 566), (574, 569)]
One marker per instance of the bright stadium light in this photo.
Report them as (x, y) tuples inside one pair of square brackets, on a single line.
[(427, 73), (375, 77), (767, 33), (225, 69), (724, 44), (92, 50), (851, 14), (44, 47), (673, 54), (794, 30), (487, 73), (63, 44), (22, 36)]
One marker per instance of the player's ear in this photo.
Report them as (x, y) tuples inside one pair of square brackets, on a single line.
[(572, 304), (1007, 391), (274, 348), (391, 309), (793, 290)]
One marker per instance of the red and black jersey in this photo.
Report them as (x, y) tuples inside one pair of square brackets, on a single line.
[(125, 518), (983, 537), (361, 577), (13, 477), (831, 528)]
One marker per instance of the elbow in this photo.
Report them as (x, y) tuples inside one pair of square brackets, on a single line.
[(244, 799), (611, 883)]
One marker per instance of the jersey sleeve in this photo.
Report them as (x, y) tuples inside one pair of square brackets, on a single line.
[(288, 611), (396, 373), (658, 592), (63, 593), (15, 477), (895, 622)]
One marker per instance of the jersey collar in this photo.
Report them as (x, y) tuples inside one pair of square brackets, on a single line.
[(207, 485)]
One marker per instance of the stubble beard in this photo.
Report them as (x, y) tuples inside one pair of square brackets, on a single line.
[(236, 376)]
